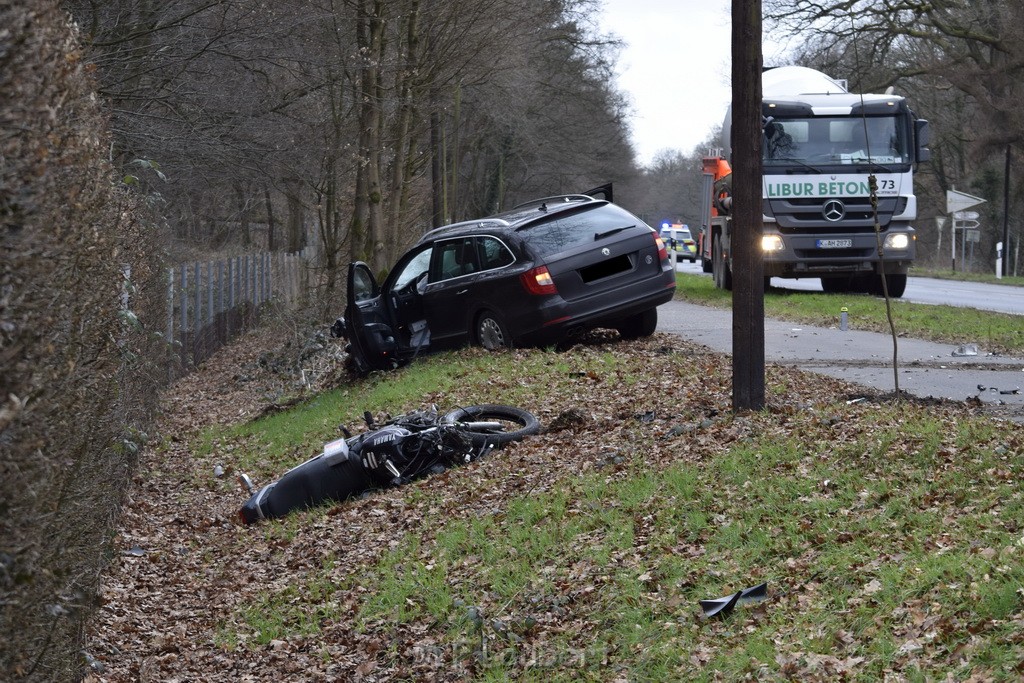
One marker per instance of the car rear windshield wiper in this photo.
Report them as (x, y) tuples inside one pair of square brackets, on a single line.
[(607, 233)]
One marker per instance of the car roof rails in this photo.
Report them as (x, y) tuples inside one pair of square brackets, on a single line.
[(544, 201), (481, 222)]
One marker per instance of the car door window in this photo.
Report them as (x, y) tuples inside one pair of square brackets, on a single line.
[(413, 269), (456, 257), (363, 286), (494, 253)]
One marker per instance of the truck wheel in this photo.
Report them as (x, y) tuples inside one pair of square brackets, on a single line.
[(896, 284), (722, 274), (831, 285), (865, 284)]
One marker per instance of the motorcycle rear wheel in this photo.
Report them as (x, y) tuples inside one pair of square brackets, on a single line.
[(515, 423)]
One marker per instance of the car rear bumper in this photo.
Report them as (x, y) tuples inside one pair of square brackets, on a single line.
[(556, 325)]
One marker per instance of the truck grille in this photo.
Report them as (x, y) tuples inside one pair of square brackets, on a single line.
[(799, 214)]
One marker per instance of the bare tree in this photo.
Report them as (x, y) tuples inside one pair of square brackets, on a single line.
[(330, 113)]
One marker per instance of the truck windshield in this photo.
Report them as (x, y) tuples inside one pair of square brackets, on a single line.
[(845, 140)]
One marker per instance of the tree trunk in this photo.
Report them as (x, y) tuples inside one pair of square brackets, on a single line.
[(271, 231), (453, 182), (243, 215), (370, 39), (405, 81), (748, 261), (296, 220), (330, 224), (436, 172)]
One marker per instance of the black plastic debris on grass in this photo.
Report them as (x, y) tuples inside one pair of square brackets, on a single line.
[(723, 606)]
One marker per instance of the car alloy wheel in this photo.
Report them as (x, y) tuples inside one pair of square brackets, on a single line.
[(490, 332)]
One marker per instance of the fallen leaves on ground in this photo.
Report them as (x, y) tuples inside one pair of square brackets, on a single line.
[(181, 601)]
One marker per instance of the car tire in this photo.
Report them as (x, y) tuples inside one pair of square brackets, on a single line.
[(490, 331), (639, 325)]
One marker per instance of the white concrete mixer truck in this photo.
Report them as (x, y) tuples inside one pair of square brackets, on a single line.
[(820, 144)]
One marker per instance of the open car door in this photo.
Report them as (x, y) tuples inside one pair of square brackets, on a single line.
[(385, 324), (368, 326)]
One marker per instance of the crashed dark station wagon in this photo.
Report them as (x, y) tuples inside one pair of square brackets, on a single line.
[(536, 275)]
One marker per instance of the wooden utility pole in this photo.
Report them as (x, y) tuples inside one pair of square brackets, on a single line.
[(747, 259), (1006, 216)]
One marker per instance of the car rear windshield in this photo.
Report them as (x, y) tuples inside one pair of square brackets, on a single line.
[(565, 231)]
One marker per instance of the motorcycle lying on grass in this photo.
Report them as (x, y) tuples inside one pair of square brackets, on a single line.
[(389, 454)]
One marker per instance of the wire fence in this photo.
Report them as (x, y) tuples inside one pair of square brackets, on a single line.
[(211, 302)]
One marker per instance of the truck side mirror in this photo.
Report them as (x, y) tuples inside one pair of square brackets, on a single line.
[(922, 136)]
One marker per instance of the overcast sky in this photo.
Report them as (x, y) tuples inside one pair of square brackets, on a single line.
[(675, 68)]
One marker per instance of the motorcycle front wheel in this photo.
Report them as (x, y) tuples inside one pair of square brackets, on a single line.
[(493, 424)]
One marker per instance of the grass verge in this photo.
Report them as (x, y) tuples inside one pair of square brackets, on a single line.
[(946, 274), (890, 536), (998, 332)]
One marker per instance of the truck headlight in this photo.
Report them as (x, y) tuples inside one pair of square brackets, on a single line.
[(899, 240), (771, 243)]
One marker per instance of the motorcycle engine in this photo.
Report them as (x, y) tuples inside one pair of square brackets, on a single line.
[(386, 443)]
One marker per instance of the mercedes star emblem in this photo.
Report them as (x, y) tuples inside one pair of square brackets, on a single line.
[(833, 210)]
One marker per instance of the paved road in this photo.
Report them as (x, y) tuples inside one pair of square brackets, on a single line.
[(925, 369), (923, 290)]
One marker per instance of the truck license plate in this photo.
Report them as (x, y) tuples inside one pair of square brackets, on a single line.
[(834, 244)]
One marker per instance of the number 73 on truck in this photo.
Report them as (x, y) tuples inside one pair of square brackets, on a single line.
[(819, 146)]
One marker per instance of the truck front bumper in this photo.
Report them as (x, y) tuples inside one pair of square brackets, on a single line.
[(812, 255)]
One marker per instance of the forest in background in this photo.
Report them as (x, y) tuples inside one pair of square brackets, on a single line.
[(355, 125)]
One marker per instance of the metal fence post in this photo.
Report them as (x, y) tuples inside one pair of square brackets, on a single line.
[(197, 281), (209, 291), (197, 315), (260, 273), (170, 306), (222, 328), (184, 299), (252, 280), (232, 270)]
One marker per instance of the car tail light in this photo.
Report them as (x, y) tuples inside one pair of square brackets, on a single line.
[(538, 281), (662, 251)]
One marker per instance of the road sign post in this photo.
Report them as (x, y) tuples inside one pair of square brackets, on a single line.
[(957, 204)]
